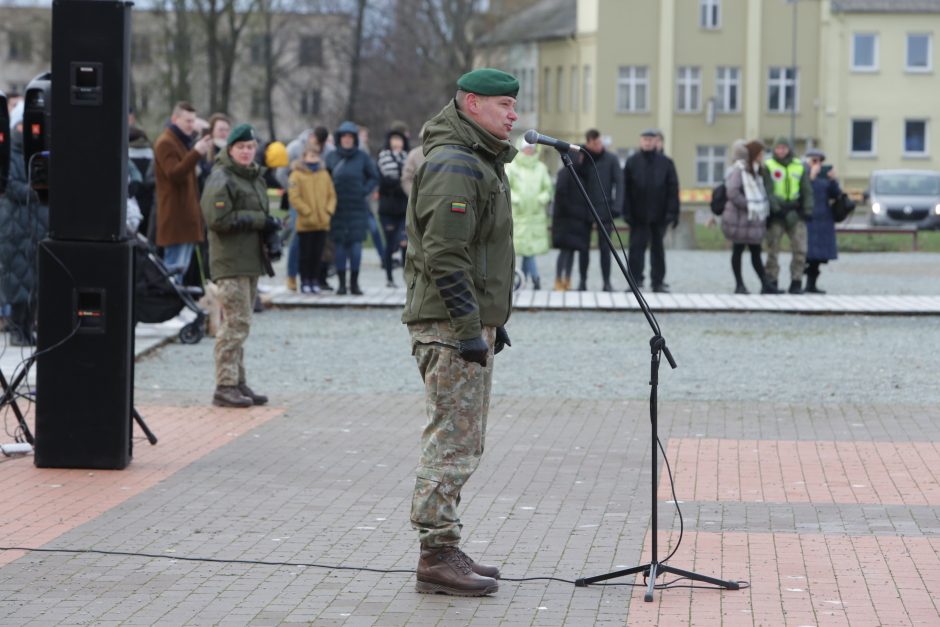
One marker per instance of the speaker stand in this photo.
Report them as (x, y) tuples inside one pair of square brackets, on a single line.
[(9, 398), (143, 426)]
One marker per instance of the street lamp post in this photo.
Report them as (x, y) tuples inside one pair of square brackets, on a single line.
[(793, 75)]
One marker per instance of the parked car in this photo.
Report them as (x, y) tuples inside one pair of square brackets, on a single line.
[(905, 198)]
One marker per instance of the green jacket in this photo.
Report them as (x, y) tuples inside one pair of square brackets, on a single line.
[(235, 206), (791, 193), (460, 259)]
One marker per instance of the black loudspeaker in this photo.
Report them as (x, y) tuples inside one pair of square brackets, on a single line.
[(85, 364), (4, 143), (37, 115), (88, 169)]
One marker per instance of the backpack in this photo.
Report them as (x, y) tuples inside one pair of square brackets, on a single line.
[(719, 198)]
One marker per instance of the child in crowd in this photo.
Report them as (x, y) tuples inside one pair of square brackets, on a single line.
[(311, 193)]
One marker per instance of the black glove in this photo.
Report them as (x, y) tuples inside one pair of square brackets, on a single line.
[(271, 225), (474, 350), (244, 222), (502, 340)]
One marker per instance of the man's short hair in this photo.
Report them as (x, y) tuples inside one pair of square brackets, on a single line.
[(322, 134), (181, 106), (592, 134)]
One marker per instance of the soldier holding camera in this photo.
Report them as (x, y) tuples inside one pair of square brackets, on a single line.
[(242, 243)]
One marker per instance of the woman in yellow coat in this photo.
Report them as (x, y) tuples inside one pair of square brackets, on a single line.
[(311, 194)]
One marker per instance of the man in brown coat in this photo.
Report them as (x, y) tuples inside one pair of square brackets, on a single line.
[(179, 217)]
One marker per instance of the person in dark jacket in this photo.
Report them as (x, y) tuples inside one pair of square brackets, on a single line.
[(610, 187), (571, 230), (393, 201), (355, 178), (235, 206), (821, 229), (650, 204), (24, 221)]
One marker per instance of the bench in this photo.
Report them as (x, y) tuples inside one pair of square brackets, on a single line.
[(865, 229)]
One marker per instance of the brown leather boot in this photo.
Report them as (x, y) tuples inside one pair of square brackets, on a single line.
[(230, 396), (484, 570), (256, 399), (447, 570)]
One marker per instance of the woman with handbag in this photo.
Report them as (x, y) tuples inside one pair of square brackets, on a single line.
[(821, 229), (744, 220)]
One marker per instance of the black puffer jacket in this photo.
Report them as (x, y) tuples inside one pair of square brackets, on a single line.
[(571, 220), (24, 221)]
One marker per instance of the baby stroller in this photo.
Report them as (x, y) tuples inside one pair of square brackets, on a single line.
[(158, 298)]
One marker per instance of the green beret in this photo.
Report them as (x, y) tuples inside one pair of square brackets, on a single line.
[(489, 81), (241, 133)]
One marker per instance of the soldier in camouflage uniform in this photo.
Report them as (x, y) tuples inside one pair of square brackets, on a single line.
[(235, 206), (791, 205), (458, 272)]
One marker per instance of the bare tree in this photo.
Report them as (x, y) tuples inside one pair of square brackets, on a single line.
[(223, 22), (174, 16)]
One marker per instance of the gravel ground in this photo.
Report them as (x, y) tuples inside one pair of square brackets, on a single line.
[(769, 357)]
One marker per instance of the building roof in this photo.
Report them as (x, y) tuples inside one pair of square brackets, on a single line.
[(549, 19), (886, 6)]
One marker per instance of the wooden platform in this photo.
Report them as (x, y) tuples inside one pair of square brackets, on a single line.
[(616, 301)]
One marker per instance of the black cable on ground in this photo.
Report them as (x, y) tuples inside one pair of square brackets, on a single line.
[(213, 560)]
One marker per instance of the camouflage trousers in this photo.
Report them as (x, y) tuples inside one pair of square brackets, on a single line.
[(237, 298), (457, 398), (798, 243)]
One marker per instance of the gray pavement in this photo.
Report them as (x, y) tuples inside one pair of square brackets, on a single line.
[(564, 485)]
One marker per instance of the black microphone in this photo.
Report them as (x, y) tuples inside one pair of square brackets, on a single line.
[(532, 136)]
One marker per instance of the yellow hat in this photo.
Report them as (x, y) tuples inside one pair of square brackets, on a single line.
[(275, 155)]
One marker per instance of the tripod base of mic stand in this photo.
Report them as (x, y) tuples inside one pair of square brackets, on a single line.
[(653, 570)]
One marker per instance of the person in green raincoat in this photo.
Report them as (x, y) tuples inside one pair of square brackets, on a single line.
[(532, 189)]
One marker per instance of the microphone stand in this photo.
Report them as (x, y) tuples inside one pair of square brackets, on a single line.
[(652, 569)]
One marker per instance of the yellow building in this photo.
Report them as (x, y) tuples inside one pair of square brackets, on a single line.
[(707, 72)]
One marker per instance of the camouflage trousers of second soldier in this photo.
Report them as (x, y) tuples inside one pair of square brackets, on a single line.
[(457, 396), (798, 243), (237, 298)]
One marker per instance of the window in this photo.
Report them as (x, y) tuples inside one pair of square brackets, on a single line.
[(560, 89), (915, 138), (709, 14), (257, 102), (728, 88), (709, 165), (311, 50), (919, 52), (256, 48), (782, 89), (547, 89), (21, 47), (575, 86), (586, 102), (862, 137), (310, 102), (530, 90), (864, 52), (632, 88), (140, 49), (689, 89)]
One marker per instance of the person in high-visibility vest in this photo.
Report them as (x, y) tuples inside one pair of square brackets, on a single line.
[(791, 205)]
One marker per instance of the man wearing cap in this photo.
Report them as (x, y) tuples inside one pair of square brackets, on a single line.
[(459, 274), (175, 155), (791, 205), (650, 204), (235, 206)]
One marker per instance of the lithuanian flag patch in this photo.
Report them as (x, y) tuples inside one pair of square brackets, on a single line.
[(220, 204), (458, 207)]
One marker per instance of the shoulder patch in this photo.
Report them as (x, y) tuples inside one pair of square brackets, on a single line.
[(219, 204), (458, 207)]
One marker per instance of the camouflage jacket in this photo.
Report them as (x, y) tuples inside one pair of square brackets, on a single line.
[(460, 260)]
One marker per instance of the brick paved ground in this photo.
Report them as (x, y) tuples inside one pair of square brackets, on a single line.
[(829, 510)]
